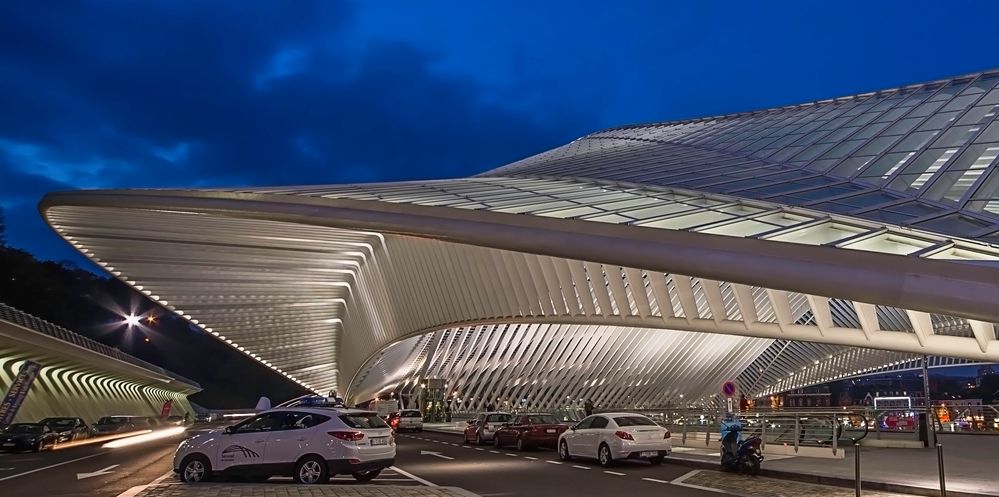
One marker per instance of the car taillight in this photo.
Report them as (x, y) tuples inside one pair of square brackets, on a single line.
[(623, 435), (350, 436), (667, 435)]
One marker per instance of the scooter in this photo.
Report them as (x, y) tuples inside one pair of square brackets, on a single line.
[(746, 455)]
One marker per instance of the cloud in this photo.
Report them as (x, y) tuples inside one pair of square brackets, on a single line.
[(176, 94)]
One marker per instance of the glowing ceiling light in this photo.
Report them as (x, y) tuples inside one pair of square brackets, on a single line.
[(132, 320)]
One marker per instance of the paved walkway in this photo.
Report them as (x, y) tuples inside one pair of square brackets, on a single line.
[(736, 484), (277, 490)]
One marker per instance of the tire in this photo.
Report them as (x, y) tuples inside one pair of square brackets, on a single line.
[(604, 456), (521, 446), (478, 438), (366, 476), (656, 461), (195, 468), (752, 466), (563, 451), (311, 470), (496, 442)]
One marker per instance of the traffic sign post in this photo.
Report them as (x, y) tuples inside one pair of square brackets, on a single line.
[(728, 388)]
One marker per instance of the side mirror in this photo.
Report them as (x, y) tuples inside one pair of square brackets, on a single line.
[(228, 430), (573, 428)]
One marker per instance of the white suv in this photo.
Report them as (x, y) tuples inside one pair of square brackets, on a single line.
[(309, 444), (410, 419), (612, 436)]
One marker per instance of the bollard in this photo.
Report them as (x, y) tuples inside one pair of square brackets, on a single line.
[(797, 432), (856, 468), (835, 434), (940, 464), (684, 433)]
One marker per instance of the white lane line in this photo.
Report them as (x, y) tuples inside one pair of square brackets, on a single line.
[(680, 482), (166, 475), (411, 475), (531, 458), (553, 462), (479, 448), (580, 467), (52, 466), (615, 473), (465, 447), (494, 451), (511, 455), (655, 480), (132, 492)]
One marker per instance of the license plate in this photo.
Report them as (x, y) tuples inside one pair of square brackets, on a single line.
[(650, 453), (379, 441), (550, 430)]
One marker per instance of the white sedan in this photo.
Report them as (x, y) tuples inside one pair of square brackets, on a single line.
[(608, 437)]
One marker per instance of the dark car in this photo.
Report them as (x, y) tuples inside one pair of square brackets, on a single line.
[(120, 424), (527, 431), (27, 436), (68, 429)]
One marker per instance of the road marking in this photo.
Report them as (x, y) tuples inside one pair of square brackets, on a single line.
[(100, 472), (553, 462), (680, 482), (166, 475), (494, 451), (531, 458), (465, 447), (615, 473), (132, 492), (411, 475), (580, 467), (52, 466), (511, 455), (655, 480), (435, 454), (479, 448)]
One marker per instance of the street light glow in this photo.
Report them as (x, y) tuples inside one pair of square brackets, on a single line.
[(132, 320)]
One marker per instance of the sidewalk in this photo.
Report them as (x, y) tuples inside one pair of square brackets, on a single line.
[(271, 490), (971, 465)]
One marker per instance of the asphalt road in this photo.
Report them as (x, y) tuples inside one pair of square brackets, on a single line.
[(506, 472), (423, 459)]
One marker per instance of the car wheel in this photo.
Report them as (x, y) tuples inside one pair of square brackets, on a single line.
[(563, 451), (655, 461), (311, 470), (604, 456), (366, 475), (478, 439), (521, 446), (496, 441), (195, 469)]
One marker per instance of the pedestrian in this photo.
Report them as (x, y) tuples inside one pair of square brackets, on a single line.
[(588, 407)]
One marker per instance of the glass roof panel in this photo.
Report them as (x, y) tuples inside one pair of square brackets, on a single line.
[(821, 234), (889, 244)]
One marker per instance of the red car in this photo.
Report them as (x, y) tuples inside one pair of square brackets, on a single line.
[(528, 431)]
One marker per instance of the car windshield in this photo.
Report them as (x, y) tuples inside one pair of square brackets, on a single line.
[(542, 419), (363, 420), (498, 418), (410, 414), (634, 421), (24, 428), (60, 422)]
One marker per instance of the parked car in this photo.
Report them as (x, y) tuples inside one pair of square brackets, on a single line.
[(174, 421), (35, 437), (308, 444), (120, 424), (613, 436), (527, 431), (484, 426), (68, 429), (407, 419)]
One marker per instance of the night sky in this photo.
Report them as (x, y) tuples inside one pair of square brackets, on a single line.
[(187, 94)]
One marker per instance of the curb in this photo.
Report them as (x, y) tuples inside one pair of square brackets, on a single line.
[(833, 481)]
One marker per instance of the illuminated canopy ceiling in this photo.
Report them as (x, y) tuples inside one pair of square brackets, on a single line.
[(783, 247)]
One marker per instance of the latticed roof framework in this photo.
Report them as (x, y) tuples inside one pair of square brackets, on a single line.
[(634, 266)]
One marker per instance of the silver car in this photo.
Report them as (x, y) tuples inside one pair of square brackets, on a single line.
[(610, 437)]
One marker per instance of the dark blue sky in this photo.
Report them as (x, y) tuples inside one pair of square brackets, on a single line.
[(183, 93)]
